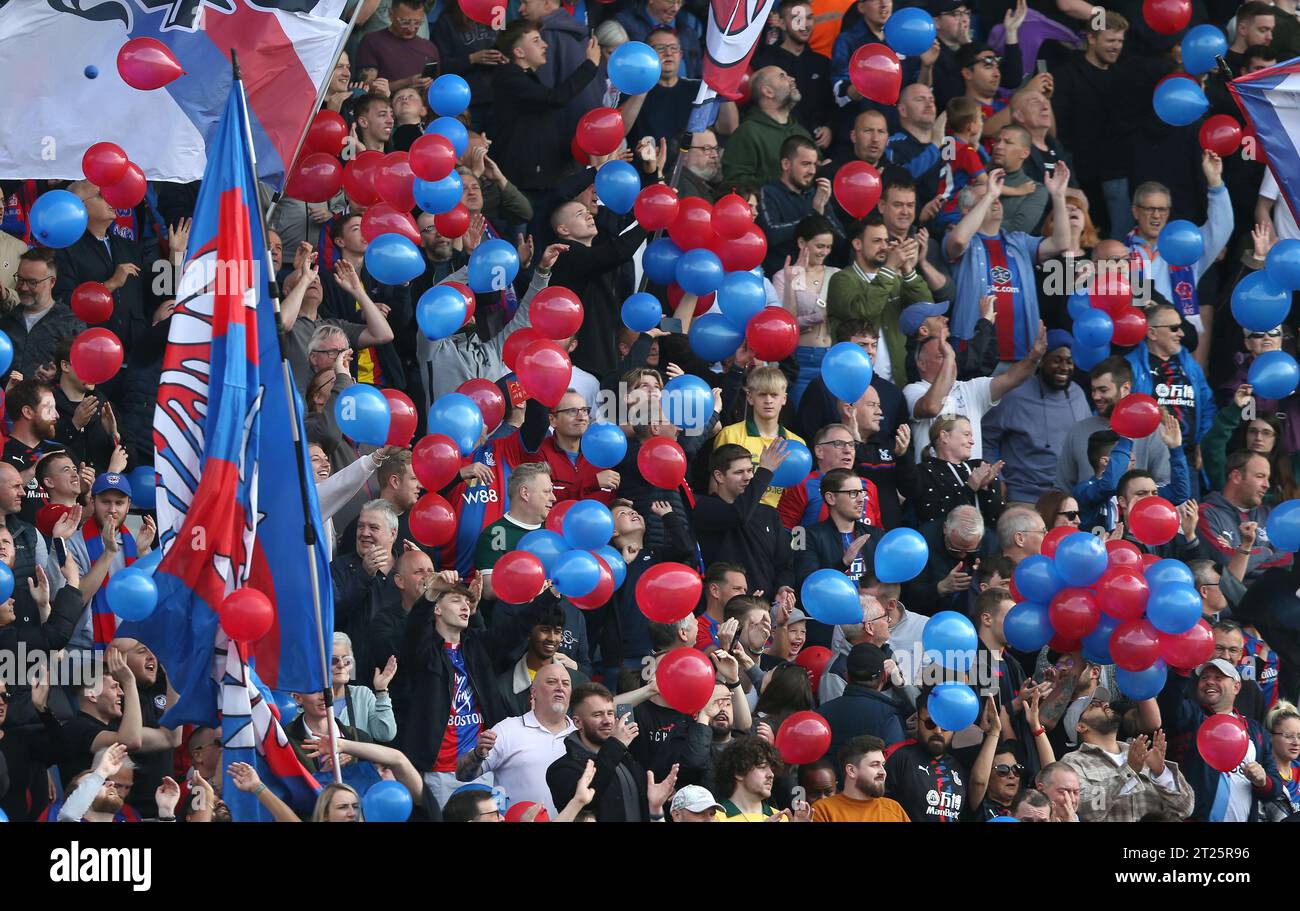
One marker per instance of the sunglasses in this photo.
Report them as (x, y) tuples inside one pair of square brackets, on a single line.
[(930, 724), (1003, 769), (1070, 514), (1272, 333)]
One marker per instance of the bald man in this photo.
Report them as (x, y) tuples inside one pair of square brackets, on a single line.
[(29, 549), (753, 154), (388, 628)]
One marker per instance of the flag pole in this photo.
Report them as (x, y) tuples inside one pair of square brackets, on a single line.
[(308, 530)]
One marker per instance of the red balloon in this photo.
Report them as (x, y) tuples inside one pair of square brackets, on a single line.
[(1167, 17), (1111, 292), (316, 178), (875, 71), (731, 216), (516, 343), (401, 427), (518, 577), (600, 594), (489, 400), (685, 678), (469, 299), (327, 133), (1059, 643), (381, 218), (147, 64), (1074, 612), (1221, 134), (555, 519), (1122, 592), (1135, 645), (1053, 538), (1135, 416), (104, 163), (1130, 327), (772, 334), (579, 156), (744, 90), (1015, 592), (432, 521), (436, 460), (1123, 553), (857, 188), (485, 12), (359, 177), (693, 226), (655, 207), (804, 737), (432, 157), (599, 131), (814, 659), (1190, 649), (92, 302), (1149, 560), (745, 252), (556, 312), (545, 371), (127, 192), (702, 304), (453, 223), (395, 181), (667, 592), (246, 614), (96, 356), (1222, 742), (519, 810), (662, 462), (1153, 520)]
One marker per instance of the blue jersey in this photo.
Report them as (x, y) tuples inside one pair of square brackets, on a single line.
[(478, 505), (464, 721)]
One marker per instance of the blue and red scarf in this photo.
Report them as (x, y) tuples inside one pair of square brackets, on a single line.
[(103, 620), (1182, 279)]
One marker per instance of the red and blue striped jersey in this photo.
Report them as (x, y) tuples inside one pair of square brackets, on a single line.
[(464, 720), (479, 505)]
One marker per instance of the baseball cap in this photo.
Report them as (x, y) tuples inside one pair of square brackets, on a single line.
[(865, 660), (575, 183), (912, 317), (695, 799), (1076, 709), (1223, 665), (796, 616), (939, 7), (111, 481), (1059, 338), (969, 53)]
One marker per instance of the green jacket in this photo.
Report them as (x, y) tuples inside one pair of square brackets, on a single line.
[(753, 154), (881, 300)]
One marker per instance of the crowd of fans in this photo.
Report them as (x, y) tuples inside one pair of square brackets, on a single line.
[(1021, 158)]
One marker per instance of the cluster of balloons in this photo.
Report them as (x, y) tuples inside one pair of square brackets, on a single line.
[(1262, 301), (1105, 316), (830, 596)]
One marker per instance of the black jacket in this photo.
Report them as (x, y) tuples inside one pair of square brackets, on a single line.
[(532, 144), (34, 637), (861, 710), (36, 348), (358, 599), (824, 548), (748, 534), (612, 762)]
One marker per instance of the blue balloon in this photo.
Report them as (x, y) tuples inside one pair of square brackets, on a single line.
[(58, 218), (660, 261), (642, 311), (953, 706), (393, 260), (952, 637), (1168, 572), (1004, 819), (449, 95), (387, 801), (846, 371), (91, 72), (1179, 102), (1080, 559), (604, 445), (1174, 609), (1096, 645), (797, 465), (1037, 579), (6, 352), (149, 562), (438, 196), (901, 555), (1283, 264), (1087, 358), (617, 185), (634, 68), (545, 545), (741, 296), (587, 525), (287, 705), (454, 130), (363, 415), (1259, 303), (699, 272), (831, 597), (440, 312), (6, 583), (1139, 685), (614, 560), (1283, 526), (576, 573), (1078, 304), (1274, 375), (144, 487), (132, 594), (493, 266), (687, 402), (1200, 46), (910, 31), (1093, 329), (456, 415), (713, 338), (1027, 626), (1180, 243)]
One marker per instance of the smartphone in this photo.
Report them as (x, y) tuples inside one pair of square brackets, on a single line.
[(60, 551), (430, 70), (670, 324), (1041, 66)]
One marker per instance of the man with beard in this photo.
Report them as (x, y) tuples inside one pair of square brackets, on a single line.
[(785, 202), (754, 152), (1028, 428), (30, 405), (1122, 782), (99, 794), (39, 321), (441, 258), (811, 70), (701, 167), (928, 780), (153, 691), (863, 798)]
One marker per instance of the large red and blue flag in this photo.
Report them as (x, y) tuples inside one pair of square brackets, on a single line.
[(1270, 101)]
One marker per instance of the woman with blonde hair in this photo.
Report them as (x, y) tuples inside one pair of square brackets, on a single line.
[(950, 477), (338, 803), (1284, 725)]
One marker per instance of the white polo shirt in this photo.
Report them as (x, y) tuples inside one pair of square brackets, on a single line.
[(523, 752)]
